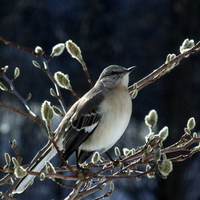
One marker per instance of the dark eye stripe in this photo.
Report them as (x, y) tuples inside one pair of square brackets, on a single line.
[(115, 72)]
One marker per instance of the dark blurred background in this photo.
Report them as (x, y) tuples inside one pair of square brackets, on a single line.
[(126, 33)]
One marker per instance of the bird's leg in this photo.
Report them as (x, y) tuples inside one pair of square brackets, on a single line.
[(82, 172), (109, 156), (115, 162), (79, 168)]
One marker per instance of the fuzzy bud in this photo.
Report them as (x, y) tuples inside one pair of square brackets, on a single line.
[(163, 134), (152, 118), (39, 50), (125, 151), (157, 155), (95, 157), (46, 111), (102, 186), (42, 176), (191, 123), (112, 186), (36, 64), (134, 94), (165, 168), (57, 49), (49, 168), (16, 72), (74, 50), (57, 111), (117, 151), (15, 162), (53, 93), (3, 87), (62, 80), (20, 172), (186, 45), (194, 135), (28, 96), (7, 159)]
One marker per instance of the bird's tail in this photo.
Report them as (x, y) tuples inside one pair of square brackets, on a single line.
[(36, 165)]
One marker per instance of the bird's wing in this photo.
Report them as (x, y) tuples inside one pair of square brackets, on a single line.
[(80, 122)]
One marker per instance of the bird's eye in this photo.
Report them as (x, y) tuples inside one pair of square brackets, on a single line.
[(112, 72)]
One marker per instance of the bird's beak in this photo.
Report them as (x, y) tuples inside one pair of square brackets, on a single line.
[(130, 69)]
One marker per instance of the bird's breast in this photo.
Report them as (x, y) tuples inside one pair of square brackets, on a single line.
[(116, 112)]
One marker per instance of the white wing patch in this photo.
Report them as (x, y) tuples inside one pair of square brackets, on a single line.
[(89, 129)]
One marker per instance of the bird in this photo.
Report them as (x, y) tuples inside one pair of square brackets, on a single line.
[(95, 122)]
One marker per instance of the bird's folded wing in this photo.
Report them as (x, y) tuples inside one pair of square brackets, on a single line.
[(81, 124)]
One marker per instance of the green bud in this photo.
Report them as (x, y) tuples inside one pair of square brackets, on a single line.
[(102, 159), (46, 111), (163, 134), (144, 157), (134, 94), (57, 111), (74, 50), (191, 123), (165, 168), (112, 186), (15, 162), (128, 171), (4, 69), (57, 49), (95, 157), (117, 151), (157, 155), (125, 151), (194, 135), (130, 152), (102, 186), (7, 159), (36, 64), (148, 167), (62, 80), (39, 50), (164, 156), (89, 183), (186, 45), (20, 172), (149, 149), (49, 168), (150, 174), (53, 93), (16, 72), (170, 57), (3, 87), (42, 176), (28, 97), (14, 143), (187, 131), (152, 118), (138, 178)]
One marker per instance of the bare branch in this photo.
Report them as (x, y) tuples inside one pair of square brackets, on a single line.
[(163, 69)]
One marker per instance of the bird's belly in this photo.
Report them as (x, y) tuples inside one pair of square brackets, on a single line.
[(111, 127)]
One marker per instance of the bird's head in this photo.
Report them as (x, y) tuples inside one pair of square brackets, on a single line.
[(115, 76)]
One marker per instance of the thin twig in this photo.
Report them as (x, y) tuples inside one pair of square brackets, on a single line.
[(14, 91), (74, 193), (17, 46), (50, 75), (27, 115), (85, 69), (163, 69)]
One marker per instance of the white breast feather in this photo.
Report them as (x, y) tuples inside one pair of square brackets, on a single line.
[(117, 113)]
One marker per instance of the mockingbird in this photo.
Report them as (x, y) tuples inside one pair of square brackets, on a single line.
[(94, 123)]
